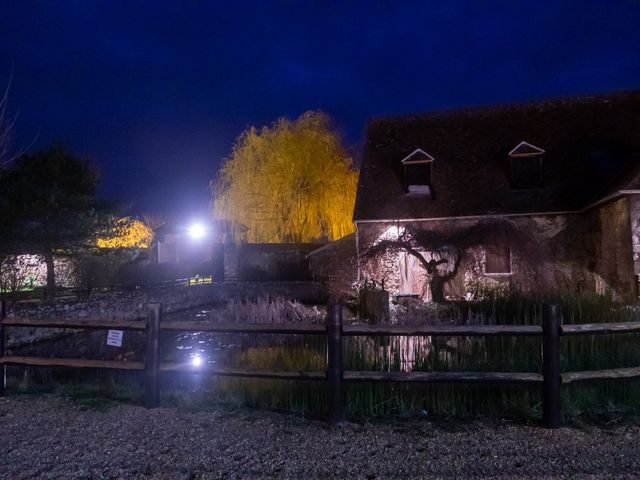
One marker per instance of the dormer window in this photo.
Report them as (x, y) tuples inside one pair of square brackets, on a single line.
[(526, 166), (418, 172)]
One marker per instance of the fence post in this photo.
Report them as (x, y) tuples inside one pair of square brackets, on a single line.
[(335, 402), (3, 342), (552, 414), (152, 358)]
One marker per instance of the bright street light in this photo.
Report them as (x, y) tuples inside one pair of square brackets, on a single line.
[(197, 231)]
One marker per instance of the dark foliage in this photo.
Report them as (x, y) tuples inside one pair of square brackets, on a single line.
[(48, 204)]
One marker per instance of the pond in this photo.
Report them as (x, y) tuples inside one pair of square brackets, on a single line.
[(308, 353)]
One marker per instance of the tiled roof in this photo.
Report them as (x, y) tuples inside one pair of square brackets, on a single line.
[(591, 144)]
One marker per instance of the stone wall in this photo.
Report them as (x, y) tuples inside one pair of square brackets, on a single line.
[(590, 252), (634, 213), (18, 272), (260, 262), (267, 261), (335, 265), (614, 256), (471, 280), (231, 262)]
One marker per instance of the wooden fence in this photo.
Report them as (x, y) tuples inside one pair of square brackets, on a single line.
[(551, 379)]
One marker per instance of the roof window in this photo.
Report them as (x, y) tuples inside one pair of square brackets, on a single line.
[(526, 166), (418, 172)]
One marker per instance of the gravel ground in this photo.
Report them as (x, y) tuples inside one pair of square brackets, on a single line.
[(49, 437)]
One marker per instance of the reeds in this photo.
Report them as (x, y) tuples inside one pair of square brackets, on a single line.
[(607, 400), (266, 310)]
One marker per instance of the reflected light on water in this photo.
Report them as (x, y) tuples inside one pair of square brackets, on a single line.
[(196, 361)]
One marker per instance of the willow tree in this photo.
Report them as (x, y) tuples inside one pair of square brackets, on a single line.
[(290, 182)]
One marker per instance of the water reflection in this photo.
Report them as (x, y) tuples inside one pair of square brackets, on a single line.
[(292, 352), (397, 353), (202, 350), (266, 351), (282, 352)]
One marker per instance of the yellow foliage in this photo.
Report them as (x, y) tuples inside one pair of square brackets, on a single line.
[(291, 182), (128, 233)]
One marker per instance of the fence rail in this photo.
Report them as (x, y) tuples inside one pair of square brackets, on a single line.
[(286, 328), (71, 362), (80, 323), (444, 377), (248, 372), (442, 330), (608, 374), (551, 378), (594, 328)]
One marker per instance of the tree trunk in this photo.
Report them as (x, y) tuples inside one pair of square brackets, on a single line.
[(51, 275), (437, 289), (437, 282), (374, 306)]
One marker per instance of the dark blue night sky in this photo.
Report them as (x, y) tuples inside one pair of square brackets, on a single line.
[(157, 91)]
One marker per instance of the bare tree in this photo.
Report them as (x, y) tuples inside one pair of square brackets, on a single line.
[(153, 220), (7, 123), (441, 251), (6, 126)]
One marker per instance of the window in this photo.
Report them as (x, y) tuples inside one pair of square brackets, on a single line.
[(526, 167), (526, 173), (418, 172), (498, 259)]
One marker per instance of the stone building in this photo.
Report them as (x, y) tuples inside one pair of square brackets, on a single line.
[(565, 174)]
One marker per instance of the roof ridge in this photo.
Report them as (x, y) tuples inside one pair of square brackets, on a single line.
[(474, 176), (484, 108)]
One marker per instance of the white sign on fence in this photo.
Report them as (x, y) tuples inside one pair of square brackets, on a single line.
[(114, 338)]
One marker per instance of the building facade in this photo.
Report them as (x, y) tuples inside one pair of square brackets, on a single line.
[(541, 196)]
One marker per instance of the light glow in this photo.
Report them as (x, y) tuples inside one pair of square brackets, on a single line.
[(196, 361), (393, 233), (197, 231)]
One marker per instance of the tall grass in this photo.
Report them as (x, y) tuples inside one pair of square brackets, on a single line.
[(265, 310), (473, 354), (517, 354)]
